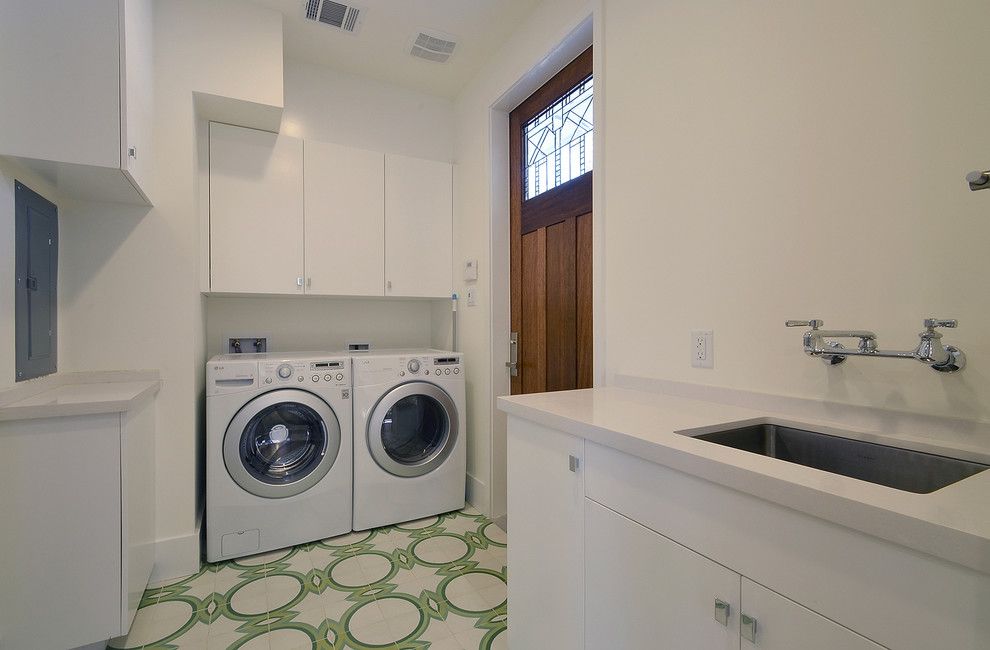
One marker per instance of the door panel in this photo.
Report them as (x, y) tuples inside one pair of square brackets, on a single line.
[(561, 308), (345, 220), (533, 353), (782, 624), (585, 298), (256, 211), (646, 591)]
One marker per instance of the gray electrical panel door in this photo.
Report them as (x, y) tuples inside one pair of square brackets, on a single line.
[(36, 267)]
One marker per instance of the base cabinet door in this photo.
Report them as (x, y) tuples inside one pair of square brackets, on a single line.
[(646, 591), (546, 538), (773, 622)]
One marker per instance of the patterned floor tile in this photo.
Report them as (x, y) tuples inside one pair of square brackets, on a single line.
[(437, 583)]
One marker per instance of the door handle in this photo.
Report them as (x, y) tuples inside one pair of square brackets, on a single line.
[(722, 611), (513, 363), (747, 627)]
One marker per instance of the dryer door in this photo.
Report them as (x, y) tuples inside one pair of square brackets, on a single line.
[(412, 429), (281, 443)]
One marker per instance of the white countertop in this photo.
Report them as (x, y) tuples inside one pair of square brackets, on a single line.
[(952, 523), (83, 393)]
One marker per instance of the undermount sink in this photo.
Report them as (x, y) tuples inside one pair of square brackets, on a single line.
[(902, 469)]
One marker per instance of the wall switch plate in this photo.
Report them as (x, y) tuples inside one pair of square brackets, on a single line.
[(470, 270), (472, 296), (703, 349)]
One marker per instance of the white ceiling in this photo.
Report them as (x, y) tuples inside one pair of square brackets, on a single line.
[(380, 49)]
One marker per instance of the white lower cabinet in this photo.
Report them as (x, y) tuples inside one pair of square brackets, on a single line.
[(625, 554), (778, 623), (546, 548), (646, 591), (651, 592)]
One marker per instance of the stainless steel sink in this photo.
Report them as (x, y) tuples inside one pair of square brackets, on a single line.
[(903, 469)]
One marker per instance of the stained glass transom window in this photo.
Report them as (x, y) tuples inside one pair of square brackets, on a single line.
[(558, 141)]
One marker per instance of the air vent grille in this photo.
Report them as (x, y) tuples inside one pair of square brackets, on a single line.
[(435, 46), (335, 14)]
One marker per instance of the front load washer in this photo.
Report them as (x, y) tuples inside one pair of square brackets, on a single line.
[(278, 451), (410, 449)]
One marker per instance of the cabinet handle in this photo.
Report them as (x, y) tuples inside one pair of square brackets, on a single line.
[(309, 282), (299, 281), (573, 463), (132, 152), (722, 612), (388, 285), (747, 627)]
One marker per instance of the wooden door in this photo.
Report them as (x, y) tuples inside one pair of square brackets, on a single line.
[(551, 232)]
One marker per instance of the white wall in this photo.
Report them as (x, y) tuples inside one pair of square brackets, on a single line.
[(9, 172), (130, 276), (805, 161), (332, 106), (517, 69), (297, 323)]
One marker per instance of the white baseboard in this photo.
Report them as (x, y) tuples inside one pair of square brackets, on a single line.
[(177, 557), (478, 495)]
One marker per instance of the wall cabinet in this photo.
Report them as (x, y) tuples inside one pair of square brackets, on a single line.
[(295, 217), (256, 211), (77, 95), (418, 227)]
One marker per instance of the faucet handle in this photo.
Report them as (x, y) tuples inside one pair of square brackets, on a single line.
[(814, 323), (932, 323)]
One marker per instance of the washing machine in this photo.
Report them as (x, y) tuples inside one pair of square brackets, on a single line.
[(278, 451), (410, 448)]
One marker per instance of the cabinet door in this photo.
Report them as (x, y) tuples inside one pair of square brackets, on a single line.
[(256, 211), (646, 591), (418, 227), (345, 220), (782, 624), (546, 548), (137, 72)]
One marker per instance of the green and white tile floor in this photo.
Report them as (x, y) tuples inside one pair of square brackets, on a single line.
[(437, 584)]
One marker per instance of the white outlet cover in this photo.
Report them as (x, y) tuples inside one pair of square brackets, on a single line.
[(470, 270), (472, 297), (703, 349)]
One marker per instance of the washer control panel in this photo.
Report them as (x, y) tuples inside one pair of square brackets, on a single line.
[(320, 372)]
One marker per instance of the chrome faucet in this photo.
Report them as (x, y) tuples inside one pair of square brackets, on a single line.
[(930, 351)]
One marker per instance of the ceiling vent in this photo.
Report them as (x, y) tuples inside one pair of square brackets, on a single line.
[(335, 14), (433, 46)]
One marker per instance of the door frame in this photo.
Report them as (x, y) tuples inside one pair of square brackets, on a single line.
[(587, 31)]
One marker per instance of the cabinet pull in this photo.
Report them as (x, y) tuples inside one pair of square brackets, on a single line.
[(299, 281), (747, 627), (722, 612), (573, 463)]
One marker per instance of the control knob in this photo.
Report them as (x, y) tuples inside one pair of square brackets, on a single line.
[(413, 365), (285, 371)]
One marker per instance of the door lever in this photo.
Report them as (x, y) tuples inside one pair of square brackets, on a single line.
[(513, 363)]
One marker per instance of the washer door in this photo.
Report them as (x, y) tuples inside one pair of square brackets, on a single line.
[(281, 443), (412, 429)]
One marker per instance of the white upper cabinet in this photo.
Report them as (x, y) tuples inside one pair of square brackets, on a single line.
[(345, 220), (418, 227), (295, 217), (77, 94), (256, 211)]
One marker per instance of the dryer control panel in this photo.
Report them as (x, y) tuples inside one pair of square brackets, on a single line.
[(301, 372), (372, 370)]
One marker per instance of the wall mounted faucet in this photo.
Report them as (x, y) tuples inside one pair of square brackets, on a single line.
[(930, 351)]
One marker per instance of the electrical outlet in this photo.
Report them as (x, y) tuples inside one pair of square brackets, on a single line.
[(703, 349), (472, 297)]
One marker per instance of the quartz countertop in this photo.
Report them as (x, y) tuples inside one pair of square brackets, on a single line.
[(82, 393), (952, 523)]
